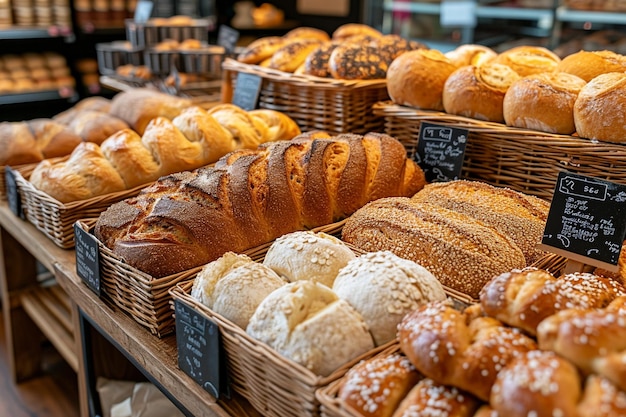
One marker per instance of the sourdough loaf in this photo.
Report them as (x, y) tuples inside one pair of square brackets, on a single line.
[(462, 252), (252, 197)]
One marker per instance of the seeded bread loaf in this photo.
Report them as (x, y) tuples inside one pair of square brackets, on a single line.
[(252, 197)]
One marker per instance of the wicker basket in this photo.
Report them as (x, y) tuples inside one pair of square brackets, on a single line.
[(55, 219), (524, 160), (336, 106)]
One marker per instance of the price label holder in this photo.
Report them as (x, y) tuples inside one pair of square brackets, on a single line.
[(247, 90), (87, 258), (440, 151), (587, 220), (12, 193), (458, 13), (200, 353), (227, 37), (143, 11)]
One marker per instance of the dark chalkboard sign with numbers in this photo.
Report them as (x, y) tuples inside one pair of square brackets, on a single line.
[(440, 151), (247, 90), (13, 196), (227, 37), (87, 258), (587, 220), (199, 349)]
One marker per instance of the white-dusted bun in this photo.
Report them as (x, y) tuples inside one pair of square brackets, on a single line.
[(471, 54), (306, 255), (309, 324), (416, 78), (478, 91), (543, 102), (527, 60), (599, 109), (589, 64), (383, 288), (234, 286)]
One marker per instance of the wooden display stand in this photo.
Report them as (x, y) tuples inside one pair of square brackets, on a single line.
[(69, 314)]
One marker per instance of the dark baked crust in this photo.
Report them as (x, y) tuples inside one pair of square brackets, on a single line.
[(357, 62), (316, 62)]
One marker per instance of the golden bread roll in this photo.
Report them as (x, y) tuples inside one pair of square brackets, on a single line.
[(251, 197), (471, 54), (527, 60), (478, 91), (593, 339), (93, 126), (308, 33), (543, 102), (316, 63), (349, 30), (523, 298), (589, 64), (292, 54), (416, 78), (233, 286), (85, 174), (179, 20), (281, 126), (190, 45), (429, 398), (357, 62), (443, 344), (596, 110), (53, 139), (306, 255), (307, 323), (261, 49), (537, 383), (462, 252), (520, 216), (383, 288), (601, 398), (246, 130), (375, 387)]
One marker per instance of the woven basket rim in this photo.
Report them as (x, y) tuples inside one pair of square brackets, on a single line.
[(299, 79)]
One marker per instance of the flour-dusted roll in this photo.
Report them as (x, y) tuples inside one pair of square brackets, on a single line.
[(471, 54), (543, 102), (306, 255), (462, 252), (589, 64), (527, 59), (478, 91), (307, 323), (383, 288), (416, 78), (597, 110)]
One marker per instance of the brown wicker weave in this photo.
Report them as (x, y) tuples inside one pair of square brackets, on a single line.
[(524, 160), (55, 219), (336, 106)]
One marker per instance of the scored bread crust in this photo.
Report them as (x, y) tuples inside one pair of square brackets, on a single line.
[(251, 197), (589, 64), (527, 59)]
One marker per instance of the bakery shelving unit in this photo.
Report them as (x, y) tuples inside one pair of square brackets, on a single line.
[(585, 20)]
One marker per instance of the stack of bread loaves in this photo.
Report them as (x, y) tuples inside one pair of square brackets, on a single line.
[(353, 52), (464, 232), (254, 196), (312, 287), (125, 160)]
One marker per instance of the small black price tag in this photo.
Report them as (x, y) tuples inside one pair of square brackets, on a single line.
[(13, 196), (587, 220), (87, 258), (143, 11), (440, 151), (199, 349), (227, 37), (247, 91)]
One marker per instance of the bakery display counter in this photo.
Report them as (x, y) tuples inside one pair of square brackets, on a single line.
[(69, 311), (65, 94)]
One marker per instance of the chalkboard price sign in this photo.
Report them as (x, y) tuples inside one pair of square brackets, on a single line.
[(87, 258), (247, 91), (587, 220), (199, 349), (227, 37), (440, 151), (13, 196)]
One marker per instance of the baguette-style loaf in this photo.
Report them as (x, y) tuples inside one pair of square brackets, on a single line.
[(462, 252), (252, 197)]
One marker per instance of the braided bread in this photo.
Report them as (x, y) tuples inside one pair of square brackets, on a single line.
[(252, 197), (192, 139)]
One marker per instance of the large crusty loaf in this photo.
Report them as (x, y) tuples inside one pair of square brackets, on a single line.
[(252, 197), (192, 139), (35, 140), (520, 216), (92, 125), (462, 252), (589, 64)]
